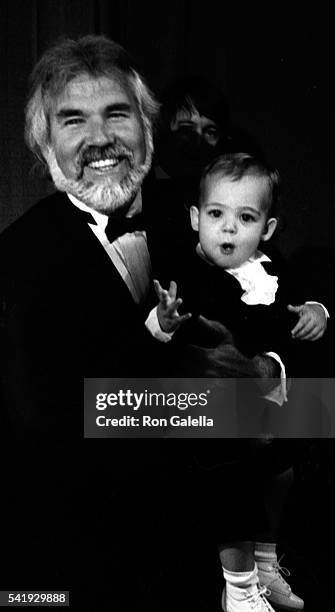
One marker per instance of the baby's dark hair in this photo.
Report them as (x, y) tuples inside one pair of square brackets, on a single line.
[(237, 165)]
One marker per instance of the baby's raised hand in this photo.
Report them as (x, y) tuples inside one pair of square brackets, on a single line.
[(167, 309), (312, 322)]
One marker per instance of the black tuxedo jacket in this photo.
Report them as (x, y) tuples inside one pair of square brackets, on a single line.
[(213, 293), (66, 314)]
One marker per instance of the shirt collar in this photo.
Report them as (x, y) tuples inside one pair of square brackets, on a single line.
[(101, 219)]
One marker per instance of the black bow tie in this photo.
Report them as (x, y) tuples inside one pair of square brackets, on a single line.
[(118, 226)]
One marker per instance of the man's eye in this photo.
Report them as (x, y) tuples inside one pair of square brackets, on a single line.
[(118, 115), (247, 218), (73, 121)]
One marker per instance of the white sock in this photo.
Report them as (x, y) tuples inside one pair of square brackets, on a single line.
[(241, 580)]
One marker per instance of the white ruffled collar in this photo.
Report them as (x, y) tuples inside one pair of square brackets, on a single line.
[(258, 286)]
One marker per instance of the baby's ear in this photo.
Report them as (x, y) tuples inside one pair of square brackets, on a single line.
[(194, 215), (269, 228)]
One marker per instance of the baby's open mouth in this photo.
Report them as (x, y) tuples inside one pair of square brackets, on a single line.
[(227, 248)]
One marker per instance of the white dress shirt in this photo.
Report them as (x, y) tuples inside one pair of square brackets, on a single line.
[(129, 253)]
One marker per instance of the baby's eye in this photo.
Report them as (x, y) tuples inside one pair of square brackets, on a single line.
[(215, 212), (247, 218)]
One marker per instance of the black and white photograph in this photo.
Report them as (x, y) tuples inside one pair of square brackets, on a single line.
[(167, 262)]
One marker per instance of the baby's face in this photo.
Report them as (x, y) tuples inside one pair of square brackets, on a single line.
[(232, 219)]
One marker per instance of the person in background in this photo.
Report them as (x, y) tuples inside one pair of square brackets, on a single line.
[(193, 128)]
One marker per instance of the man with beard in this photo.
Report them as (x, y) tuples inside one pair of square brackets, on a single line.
[(70, 288), (75, 277), (75, 271)]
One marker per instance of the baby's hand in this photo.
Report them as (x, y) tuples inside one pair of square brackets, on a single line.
[(167, 309), (312, 322)]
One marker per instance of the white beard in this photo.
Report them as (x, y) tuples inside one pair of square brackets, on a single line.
[(107, 196)]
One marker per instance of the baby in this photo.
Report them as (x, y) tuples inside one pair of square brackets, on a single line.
[(230, 280), (235, 214)]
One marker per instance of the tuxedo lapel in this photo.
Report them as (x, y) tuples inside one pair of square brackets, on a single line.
[(82, 253)]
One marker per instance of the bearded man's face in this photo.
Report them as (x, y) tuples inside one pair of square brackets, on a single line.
[(99, 151)]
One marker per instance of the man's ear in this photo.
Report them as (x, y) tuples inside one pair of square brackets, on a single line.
[(194, 214), (269, 229)]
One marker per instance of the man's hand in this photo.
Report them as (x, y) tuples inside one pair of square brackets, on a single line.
[(312, 322), (223, 359), (167, 309)]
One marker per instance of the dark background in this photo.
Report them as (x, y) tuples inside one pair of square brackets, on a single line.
[(274, 65)]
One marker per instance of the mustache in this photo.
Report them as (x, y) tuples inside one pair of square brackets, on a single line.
[(95, 153)]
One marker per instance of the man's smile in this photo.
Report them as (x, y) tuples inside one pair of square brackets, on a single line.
[(105, 166), (105, 159), (104, 163)]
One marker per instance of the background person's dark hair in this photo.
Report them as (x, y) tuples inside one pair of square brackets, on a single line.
[(194, 92)]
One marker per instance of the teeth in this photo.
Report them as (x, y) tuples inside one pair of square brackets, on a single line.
[(104, 163)]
